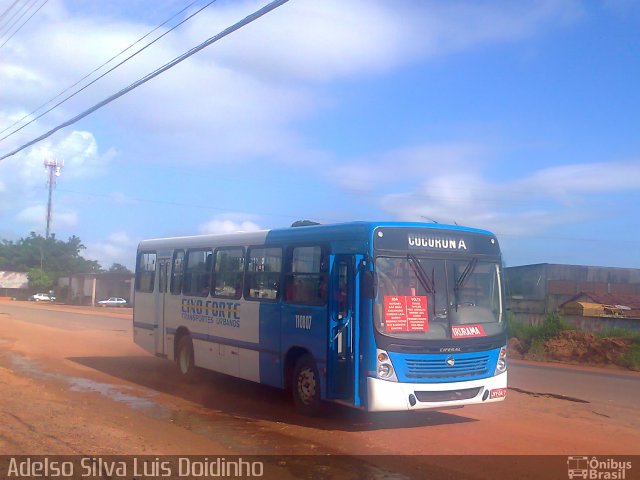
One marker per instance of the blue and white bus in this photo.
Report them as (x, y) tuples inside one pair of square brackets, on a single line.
[(378, 316)]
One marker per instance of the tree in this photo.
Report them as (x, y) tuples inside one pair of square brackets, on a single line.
[(119, 268), (39, 280), (49, 254)]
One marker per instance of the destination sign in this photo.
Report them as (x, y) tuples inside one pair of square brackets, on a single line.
[(435, 240)]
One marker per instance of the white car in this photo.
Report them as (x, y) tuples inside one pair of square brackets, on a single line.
[(41, 297), (113, 302)]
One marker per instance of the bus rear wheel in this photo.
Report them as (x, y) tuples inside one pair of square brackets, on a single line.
[(305, 387), (185, 359)]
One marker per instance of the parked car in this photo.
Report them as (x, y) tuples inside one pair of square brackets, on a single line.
[(41, 297), (113, 302)]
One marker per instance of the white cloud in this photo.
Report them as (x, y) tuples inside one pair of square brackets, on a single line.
[(35, 217), (25, 177), (565, 182), (320, 41), (242, 97), (402, 165), (230, 222), (118, 247), (561, 195)]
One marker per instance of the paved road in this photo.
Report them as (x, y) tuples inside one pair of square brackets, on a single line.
[(609, 388), (68, 317)]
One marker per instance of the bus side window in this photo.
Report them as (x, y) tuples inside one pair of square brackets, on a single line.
[(176, 272), (228, 271), (146, 272), (306, 279), (197, 273), (262, 280)]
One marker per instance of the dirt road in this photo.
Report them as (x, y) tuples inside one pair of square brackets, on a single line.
[(74, 388)]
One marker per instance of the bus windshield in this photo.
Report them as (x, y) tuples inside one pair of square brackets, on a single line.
[(436, 299)]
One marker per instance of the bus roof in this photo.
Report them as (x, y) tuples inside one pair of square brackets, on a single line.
[(328, 231)]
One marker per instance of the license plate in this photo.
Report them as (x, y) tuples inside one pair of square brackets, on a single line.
[(498, 393)]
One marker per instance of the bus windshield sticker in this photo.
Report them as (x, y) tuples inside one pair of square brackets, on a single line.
[(467, 331), (405, 313)]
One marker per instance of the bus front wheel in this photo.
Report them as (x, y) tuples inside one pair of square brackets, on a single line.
[(306, 386), (185, 359)]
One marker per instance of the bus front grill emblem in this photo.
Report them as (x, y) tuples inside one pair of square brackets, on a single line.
[(450, 361)]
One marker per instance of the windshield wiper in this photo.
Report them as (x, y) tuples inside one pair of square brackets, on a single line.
[(462, 279), (415, 265), (471, 266)]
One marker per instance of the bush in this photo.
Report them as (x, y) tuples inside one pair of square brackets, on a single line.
[(631, 358), (619, 333), (553, 324)]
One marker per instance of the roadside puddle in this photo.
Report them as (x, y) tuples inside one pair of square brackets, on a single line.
[(122, 394)]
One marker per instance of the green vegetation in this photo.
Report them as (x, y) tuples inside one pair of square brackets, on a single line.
[(533, 338), (631, 358), (46, 259), (553, 324), (619, 333), (49, 254), (39, 280)]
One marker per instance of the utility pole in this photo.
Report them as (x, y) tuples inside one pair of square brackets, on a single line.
[(53, 167)]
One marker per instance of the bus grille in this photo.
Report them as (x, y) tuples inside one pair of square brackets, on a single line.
[(473, 366), (448, 396)]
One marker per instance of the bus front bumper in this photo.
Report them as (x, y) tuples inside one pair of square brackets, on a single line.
[(385, 396)]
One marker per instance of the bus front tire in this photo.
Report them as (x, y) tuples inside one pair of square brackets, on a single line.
[(185, 359), (305, 387)]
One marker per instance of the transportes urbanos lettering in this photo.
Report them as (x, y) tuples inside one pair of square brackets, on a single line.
[(210, 311)]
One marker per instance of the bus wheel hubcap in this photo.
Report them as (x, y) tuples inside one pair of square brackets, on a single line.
[(307, 385)]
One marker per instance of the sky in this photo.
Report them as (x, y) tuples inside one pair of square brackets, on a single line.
[(522, 118)]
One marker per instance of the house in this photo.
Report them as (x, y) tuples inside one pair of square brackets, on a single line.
[(89, 288), (602, 305), (533, 291), (14, 284)]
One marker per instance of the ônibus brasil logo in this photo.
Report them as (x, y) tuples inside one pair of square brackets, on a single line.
[(597, 469)]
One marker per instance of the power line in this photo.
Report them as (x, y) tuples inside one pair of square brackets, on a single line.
[(16, 12), (22, 11), (24, 23), (333, 220), (106, 63), (101, 76), (238, 25), (189, 205), (4, 14)]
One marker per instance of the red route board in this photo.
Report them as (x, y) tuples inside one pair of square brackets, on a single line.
[(405, 313)]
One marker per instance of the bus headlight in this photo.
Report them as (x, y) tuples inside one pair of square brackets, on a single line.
[(384, 368), (501, 366)]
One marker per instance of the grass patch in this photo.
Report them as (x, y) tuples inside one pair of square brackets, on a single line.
[(632, 335), (631, 358), (553, 324)]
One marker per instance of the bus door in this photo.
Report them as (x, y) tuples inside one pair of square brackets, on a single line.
[(163, 287), (341, 327)]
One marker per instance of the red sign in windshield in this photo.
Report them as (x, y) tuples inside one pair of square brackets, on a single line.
[(467, 331), (405, 313)]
